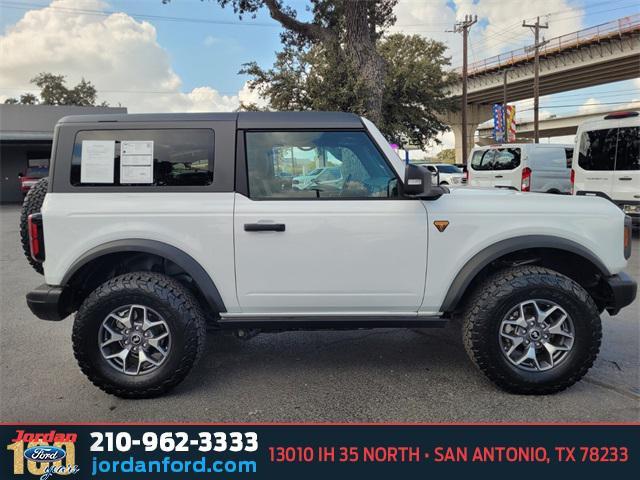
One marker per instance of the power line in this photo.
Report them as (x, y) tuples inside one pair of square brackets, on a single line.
[(144, 16), (583, 105), (486, 49)]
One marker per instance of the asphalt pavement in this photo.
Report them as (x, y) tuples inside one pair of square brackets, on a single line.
[(389, 375)]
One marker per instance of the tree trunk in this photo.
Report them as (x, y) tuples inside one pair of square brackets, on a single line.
[(359, 46), (361, 49)]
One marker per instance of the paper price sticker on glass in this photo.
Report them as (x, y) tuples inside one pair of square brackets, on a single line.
[(136, 161)]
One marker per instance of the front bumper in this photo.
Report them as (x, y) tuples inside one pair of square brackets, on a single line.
[(48, 302), (623, 292)]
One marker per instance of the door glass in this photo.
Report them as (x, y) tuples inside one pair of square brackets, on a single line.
[(598, 149), (308, 165), (628, 153)]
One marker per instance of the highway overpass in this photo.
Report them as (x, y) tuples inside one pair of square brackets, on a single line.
[(601, 54), (549, 127)]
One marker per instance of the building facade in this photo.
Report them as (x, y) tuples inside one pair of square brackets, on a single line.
[(26, 135)]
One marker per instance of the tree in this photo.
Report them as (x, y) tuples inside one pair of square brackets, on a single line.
[(316, 78), (347, 29), (28, 99), (448, 155), (53, 91)]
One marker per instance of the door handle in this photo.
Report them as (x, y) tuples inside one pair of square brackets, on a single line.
[(264, 227), (625, 178), (498, 176)]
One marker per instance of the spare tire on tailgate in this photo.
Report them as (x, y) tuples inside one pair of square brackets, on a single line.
[(32, 204)]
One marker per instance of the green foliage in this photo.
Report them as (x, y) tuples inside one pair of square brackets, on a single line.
[(53, 91), (317, 78), (343, 60), (448, 155)]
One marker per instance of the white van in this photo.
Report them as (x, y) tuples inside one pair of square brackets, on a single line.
[(606, 161), (528, 167)]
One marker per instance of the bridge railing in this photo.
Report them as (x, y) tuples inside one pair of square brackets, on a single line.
[(558, 44)]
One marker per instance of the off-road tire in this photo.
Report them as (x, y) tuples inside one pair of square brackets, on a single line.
[(492, 300), (166, 296), (32, 203)]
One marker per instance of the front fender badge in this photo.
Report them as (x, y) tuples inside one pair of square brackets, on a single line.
[(441, 225)]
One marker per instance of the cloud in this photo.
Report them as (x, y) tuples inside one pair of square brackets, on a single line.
[(210, 40), (592, 105), (499, 28), (118, 54)]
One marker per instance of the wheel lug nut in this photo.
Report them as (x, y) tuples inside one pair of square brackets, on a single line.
[(537, 344)]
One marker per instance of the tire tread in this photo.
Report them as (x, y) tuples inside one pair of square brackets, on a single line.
[(163, 287), (486, 297)]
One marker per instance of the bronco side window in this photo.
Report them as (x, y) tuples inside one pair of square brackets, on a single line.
[(159, 157), (317, 164)]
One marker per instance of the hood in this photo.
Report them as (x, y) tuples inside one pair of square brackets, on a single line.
[(505, 201)]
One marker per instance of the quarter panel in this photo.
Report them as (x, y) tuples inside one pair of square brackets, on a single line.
[(200, 224)]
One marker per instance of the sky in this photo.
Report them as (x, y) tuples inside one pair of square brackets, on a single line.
[(185, 55)]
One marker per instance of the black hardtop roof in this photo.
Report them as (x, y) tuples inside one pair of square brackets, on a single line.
[(245, 120)]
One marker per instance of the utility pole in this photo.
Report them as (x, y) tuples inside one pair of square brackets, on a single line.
[(535, 27), (463, 27)]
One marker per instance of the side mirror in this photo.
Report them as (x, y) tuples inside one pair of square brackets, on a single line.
[(418, 183), (20, 174), (417, 180)]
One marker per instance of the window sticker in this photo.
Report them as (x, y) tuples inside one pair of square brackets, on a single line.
[(136, 161), (97, 161)]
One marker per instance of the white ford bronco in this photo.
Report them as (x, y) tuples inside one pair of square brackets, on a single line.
[(155, 227)]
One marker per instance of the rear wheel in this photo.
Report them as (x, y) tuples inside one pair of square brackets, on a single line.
[(32, 204), (138, 335), (532, 330)]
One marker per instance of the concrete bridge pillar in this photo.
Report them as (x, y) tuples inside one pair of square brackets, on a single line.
[(476, 114)]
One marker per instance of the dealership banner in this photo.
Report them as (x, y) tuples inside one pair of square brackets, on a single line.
[(309, 451)]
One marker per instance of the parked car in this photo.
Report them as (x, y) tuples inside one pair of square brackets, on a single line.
[(448, 174), (323, 177), (606, 161), (147, 264), (527, 167), (31, 177)]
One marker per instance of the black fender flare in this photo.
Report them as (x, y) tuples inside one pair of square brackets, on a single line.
[(139, 245), (483, 258)]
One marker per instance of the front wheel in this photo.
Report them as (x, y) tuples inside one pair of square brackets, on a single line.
[(138, 335), (531, 330)]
